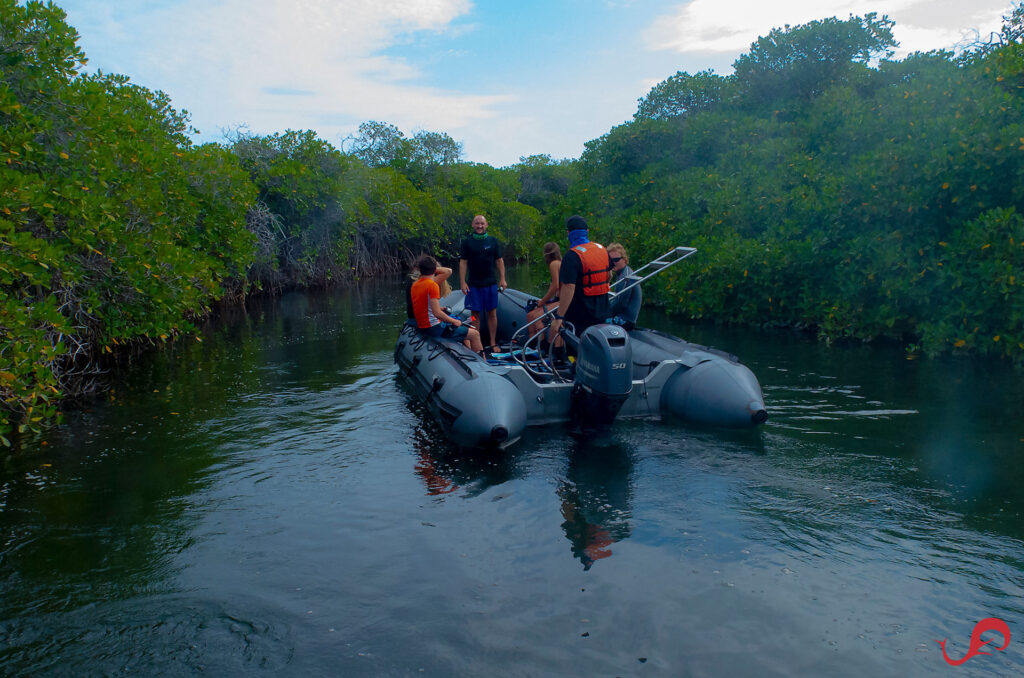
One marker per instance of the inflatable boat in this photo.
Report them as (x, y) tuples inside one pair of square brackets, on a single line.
[(612, 373)]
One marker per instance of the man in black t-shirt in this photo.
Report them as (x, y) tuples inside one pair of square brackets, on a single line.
[(479, 256), (583, 280)]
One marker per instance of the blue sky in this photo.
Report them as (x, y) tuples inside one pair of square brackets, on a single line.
[(505, 78)]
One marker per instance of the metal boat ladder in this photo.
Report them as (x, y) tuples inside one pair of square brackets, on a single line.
[(519, 350)]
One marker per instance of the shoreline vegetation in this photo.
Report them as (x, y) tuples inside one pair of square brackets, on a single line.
[(828, 187)]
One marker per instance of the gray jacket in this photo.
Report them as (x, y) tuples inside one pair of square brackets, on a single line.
[(626, 306)]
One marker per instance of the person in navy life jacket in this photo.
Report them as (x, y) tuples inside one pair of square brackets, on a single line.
[(583, 280)]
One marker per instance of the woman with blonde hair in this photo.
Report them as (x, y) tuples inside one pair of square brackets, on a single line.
[(624, 307)]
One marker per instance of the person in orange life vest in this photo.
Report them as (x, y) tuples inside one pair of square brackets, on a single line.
[(479, 256), (426, 304), (414, 275), (553, 258), (583, 280)]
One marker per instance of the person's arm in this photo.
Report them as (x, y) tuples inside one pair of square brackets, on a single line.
[(565, 294), (501, 273), (435, 308), (442, 273), (462, 277), (566, 290)]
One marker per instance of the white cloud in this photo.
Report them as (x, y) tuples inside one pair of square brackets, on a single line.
[(732, 25), (329, 65), (278, 64)]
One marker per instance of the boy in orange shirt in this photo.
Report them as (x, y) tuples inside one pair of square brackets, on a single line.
[(426, 304)]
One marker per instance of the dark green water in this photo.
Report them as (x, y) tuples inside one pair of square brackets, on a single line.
[(270, 501)]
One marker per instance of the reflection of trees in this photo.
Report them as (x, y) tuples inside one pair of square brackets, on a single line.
[(95, 529), (105, 522), (311, 340), (596, 500)]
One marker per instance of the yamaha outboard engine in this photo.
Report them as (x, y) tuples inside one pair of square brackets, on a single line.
[(604, 376)]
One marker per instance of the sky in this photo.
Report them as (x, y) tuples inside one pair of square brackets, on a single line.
[(506, 78)]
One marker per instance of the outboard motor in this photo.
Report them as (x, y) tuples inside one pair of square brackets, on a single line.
[(604, 376)]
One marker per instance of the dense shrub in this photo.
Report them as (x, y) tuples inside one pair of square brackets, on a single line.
[(858, 201), (113, 228)]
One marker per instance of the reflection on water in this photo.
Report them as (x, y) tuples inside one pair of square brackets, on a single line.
[(595, 498), (272, 500), (593, 490), (446, 469)]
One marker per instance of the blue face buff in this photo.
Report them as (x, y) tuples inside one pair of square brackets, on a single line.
[(578, 237)]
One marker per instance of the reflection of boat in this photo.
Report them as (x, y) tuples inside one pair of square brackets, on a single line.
[(446, 469), (595, 501), (616, 373)]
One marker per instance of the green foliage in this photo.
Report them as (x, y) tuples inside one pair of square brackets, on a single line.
[(684, 94), (323, 215), (544, 183), (433, 153), (424, 159), (857, 201), (380, 144), (302, 220), (978, 299), (113, 228), (802, 62), (1012, 31)]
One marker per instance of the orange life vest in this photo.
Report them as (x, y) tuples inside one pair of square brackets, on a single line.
[(595, 262)]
